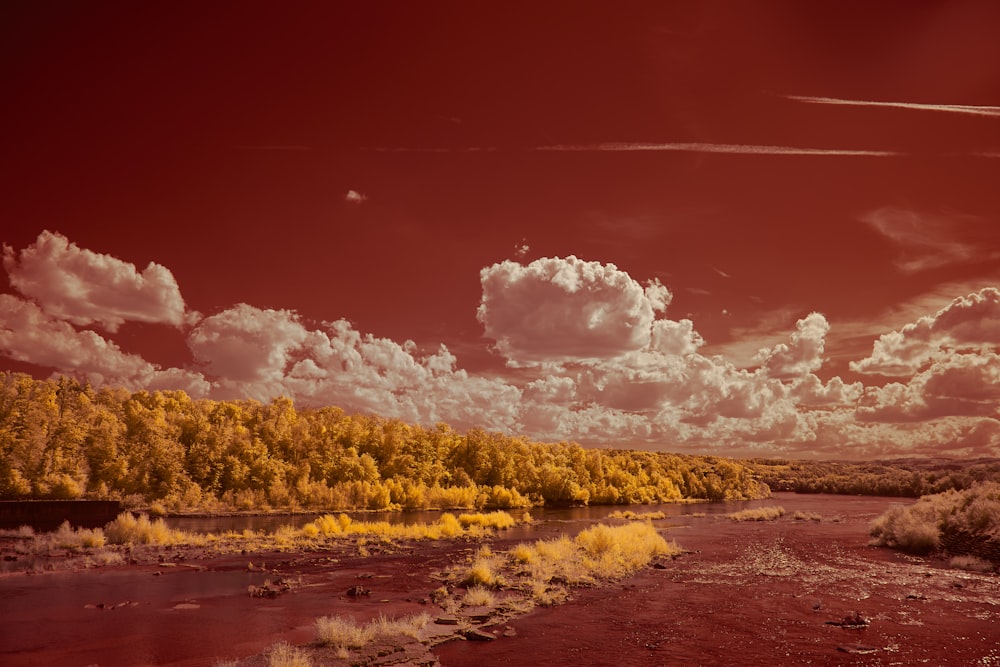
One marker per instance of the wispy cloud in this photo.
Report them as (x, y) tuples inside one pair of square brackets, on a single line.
[(970, 109), (273, 147), (927, 240), (701, 147), (666, 147)]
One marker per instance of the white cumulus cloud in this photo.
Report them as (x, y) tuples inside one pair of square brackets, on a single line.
[(968, 323), (802, 354), (85, 287), (558, 310)]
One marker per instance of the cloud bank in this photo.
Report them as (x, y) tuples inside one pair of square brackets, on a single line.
[(591, 352)]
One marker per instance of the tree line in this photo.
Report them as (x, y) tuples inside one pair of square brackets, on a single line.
[(60, 438), (910, 478)]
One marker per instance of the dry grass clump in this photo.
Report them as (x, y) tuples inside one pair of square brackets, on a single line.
[(770, 513), (67, 537), (129, 529), (103, 558), (484, 570), (970, 564), (342, 632), (408, 626), (499, 520), (346, 633), (284, 654), (637, 516), (601, 552), (447, 526), (478, 596), (807, 516)]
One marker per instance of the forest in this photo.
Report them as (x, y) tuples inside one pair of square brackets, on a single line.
[(167, 452), (912, 478)]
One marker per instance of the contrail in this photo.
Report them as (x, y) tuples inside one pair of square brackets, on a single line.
[(970, 109), (730, 149)]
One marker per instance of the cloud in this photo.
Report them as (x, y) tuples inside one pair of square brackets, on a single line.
[(359, 372), (260, 353), (355, 197), (966, 109), (961, 385), (803, 354), (596, 363), (84, 287), (244, 344), (558, 310), (968, 323), (702, 147), (29, 334), (662, 147), (809, 391), (675, 338), (925, 241)]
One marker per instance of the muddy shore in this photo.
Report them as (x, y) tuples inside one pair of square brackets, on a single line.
[(759, 593)]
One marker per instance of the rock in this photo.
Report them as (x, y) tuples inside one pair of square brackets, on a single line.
[(446, 620), (478, 614), (852, 620), (857, 648), (477, 635), (264, 591), (358, 591)]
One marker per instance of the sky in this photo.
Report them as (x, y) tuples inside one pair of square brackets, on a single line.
[(744, 229)]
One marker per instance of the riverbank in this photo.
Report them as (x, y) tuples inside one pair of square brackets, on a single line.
[(749, 593)]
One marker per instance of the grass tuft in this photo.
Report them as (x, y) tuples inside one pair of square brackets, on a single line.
[(344, 633), (478, 596), (284, 654), (771, 513)]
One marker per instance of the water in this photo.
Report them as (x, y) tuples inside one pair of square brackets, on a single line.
[(570, 519)]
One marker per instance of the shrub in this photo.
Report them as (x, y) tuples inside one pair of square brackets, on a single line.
[(66, 537), (970, 563), (127, 529), (807, 516)]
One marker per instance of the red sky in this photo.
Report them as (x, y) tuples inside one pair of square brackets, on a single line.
[(763, 228)]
